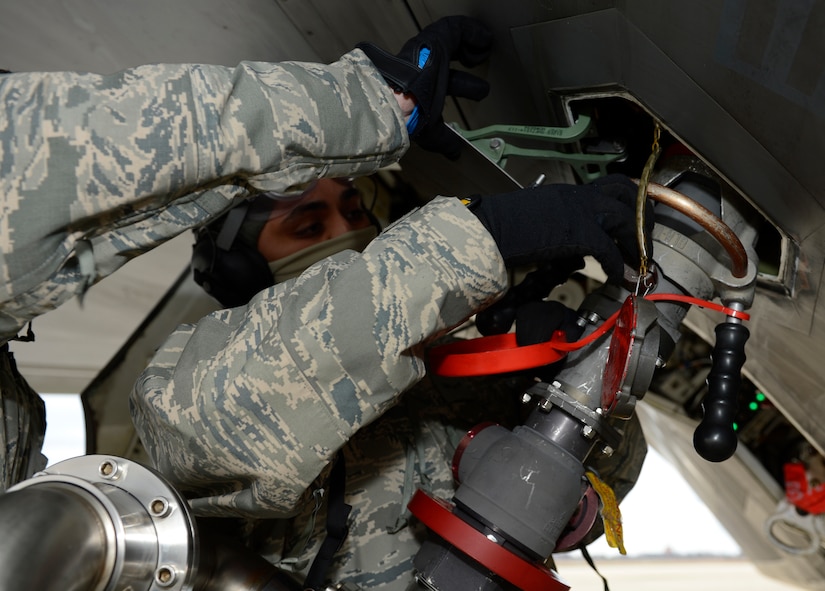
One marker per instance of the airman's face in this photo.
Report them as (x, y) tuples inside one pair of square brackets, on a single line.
[(331, 208)]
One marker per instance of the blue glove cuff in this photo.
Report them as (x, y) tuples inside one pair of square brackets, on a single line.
[(412, 122)]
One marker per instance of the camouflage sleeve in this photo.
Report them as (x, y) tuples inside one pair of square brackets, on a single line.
[(107, 167), (244, 410)]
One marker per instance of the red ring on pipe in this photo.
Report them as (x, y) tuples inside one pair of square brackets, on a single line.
[(437, 515)]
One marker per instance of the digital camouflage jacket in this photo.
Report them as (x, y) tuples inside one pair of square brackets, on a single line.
[(244, 410), (97, 169)]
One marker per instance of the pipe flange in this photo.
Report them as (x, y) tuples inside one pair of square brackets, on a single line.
[(554, 395), (151, 533)]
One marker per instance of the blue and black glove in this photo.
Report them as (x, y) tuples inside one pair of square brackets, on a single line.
[(422, 69)]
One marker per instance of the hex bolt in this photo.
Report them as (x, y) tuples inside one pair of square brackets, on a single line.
[(607, 451), (588, 431), (160, 507), (165, 576), (525, 398), (109, 469)]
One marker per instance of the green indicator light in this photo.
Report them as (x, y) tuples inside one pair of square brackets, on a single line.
[(753, 406), (760, 397), (736, 426)]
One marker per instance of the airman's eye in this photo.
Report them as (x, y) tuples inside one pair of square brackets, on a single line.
[(309, 230)]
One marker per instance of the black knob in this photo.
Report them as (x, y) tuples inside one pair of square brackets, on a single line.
[(714, 438)]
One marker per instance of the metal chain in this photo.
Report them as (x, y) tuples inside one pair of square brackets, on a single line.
[(641, 201)]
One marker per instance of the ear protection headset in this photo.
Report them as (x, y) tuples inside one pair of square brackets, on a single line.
[(229, 270)]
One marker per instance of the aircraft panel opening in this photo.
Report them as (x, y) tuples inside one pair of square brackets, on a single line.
[(619, 120)]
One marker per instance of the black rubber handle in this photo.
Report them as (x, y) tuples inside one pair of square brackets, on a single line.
[(714, 438)]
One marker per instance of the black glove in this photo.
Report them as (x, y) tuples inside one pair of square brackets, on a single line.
[(537, 321), (450, 38), (536, 285), (555, 222)]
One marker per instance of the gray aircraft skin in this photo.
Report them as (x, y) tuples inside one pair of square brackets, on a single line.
[(737, 88)]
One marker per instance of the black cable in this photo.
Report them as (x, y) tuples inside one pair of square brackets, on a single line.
[(592, 564)]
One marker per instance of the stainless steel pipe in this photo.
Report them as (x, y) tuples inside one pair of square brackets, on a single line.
[(53, 540)]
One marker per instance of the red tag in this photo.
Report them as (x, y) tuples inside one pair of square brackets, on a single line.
[(799, 493)]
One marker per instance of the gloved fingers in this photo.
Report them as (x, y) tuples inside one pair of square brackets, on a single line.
[(467, 85), (497, 319), (437, 137), (537, 321), (622, 189), (619, 221), (461, 38), (538, 284), (615, 185), (564, 268), (469, 41), (627, 241), (427, 75), (609, 255)]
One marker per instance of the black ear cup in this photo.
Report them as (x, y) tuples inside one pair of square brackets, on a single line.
[(231, 275)]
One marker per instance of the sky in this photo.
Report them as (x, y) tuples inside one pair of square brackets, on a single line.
[(661, 496), (663, 515)]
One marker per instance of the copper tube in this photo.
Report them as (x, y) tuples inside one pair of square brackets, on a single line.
[(705, 218)]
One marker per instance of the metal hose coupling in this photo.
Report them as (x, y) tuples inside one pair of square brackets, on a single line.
[(96, 523)]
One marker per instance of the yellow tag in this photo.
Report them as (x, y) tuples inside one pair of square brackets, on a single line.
[(611, 514)]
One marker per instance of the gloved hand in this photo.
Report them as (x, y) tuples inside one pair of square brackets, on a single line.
[(554, 222), (519, 302), (422, 69)]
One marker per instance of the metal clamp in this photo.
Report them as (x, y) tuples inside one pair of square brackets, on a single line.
[(489, 141)]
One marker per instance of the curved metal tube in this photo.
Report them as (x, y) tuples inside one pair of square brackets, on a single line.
[(705, 218), (58, 541)]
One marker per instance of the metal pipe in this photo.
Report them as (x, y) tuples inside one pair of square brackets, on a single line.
[(96, 523), (705, 218), (53, 540)]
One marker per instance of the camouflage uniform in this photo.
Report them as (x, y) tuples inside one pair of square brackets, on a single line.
[(95, 170), (260, 397), (409, 447), (245, 410)]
